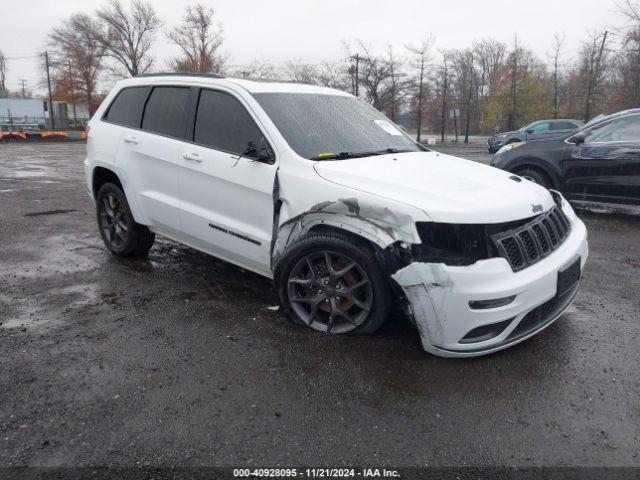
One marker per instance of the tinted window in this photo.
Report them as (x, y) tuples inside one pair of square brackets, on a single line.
[(224, 124), (127, 107), (315, 124), (625, 129), (166, 111), (564, 125), (540, 127)]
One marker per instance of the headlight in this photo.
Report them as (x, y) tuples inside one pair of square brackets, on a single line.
[(508, 147)]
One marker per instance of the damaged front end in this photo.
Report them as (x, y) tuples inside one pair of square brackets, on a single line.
[(475, 289)]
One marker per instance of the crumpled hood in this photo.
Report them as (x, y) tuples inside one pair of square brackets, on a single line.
[(448, 189)]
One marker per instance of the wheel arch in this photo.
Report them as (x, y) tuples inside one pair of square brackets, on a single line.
[(538, 165), (102, 175)]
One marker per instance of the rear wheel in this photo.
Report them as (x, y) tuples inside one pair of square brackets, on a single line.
[(333, 284), (119, 231)]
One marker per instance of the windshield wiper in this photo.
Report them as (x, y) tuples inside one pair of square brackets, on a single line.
[(345, 155)]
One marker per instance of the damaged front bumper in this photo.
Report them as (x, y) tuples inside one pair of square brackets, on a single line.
[(439, 296)]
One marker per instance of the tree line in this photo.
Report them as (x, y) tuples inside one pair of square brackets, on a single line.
[(487, 87)]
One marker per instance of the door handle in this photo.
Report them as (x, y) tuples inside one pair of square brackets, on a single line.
[(131, 139), (194, 157)]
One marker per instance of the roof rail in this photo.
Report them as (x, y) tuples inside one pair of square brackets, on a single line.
[(179, 74)]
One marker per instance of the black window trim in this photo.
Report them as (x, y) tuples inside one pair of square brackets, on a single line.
[(189, 106), (191, 133), (192, 115), (601, 124), (190, 112), (146, 98)]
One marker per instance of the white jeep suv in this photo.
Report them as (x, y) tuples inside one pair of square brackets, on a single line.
[(318, 190)]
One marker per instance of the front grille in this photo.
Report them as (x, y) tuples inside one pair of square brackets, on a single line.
[(529, 243)]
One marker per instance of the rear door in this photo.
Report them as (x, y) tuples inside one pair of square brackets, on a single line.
[(226, 194), (149, 156), (606, 167)]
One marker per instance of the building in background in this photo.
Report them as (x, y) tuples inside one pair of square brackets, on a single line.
[(32, 114)]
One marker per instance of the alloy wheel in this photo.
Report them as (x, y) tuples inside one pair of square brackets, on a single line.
[(330, 292), (112, 221)]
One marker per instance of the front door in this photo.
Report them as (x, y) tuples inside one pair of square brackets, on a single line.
[(226, 190), (606, 167)]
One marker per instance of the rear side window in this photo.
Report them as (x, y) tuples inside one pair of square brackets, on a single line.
[(167, 111), (127, 107), (223, 123), (564, 126)]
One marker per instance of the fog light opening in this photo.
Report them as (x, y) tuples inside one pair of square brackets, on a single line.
[(492, 303)]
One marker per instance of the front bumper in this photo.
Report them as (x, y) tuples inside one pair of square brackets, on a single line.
[(494, 145), (439, 297)]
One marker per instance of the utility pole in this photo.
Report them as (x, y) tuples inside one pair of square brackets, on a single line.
[(357, 58), (23, 81), (514, 88), (466, 133), (593, 73), (420, 87), (444, 101), (73, 95), (46, 61)]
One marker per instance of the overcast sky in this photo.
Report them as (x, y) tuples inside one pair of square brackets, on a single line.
[(313, 30)]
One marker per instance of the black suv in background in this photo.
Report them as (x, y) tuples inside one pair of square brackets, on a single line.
[(533, 131), (600, 162)]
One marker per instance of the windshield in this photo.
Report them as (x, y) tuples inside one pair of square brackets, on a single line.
[(321, 127)]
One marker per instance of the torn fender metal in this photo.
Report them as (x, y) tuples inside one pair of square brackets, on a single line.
[(377, 223)]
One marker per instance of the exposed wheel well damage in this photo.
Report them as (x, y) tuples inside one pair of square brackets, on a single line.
[(376, 225), (101, 176)]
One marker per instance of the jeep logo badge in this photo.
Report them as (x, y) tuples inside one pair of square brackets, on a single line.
[(536, 208)]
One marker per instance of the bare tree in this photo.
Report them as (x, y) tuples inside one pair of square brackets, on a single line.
[(595, 60), (257, 70), (297, 71), (627, 60), (199, 40), (76, 57), (3, 72), (374, 76), (127, 36), (558, 45), (334, 75), (464, 79), (423, 52)]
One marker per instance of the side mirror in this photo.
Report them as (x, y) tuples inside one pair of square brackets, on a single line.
[(265, 156), (529, 131), (579, 138)]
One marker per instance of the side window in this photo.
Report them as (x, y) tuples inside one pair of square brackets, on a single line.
[(626, 129), (223, 123), (167, 111), (541, 127), (563, 125), (127, 107)]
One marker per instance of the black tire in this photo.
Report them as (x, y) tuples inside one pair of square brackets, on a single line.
[(340, 248), (119, 231), (536, 176)]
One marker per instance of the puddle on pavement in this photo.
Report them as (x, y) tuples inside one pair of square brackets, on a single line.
[(48, 308)]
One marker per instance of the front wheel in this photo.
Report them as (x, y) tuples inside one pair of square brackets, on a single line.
[(331, 283), (535, 176)]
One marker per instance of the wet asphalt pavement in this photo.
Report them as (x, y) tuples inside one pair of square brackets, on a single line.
[(176, 360)]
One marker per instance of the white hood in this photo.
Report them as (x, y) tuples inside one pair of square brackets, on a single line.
[(448, 189)]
